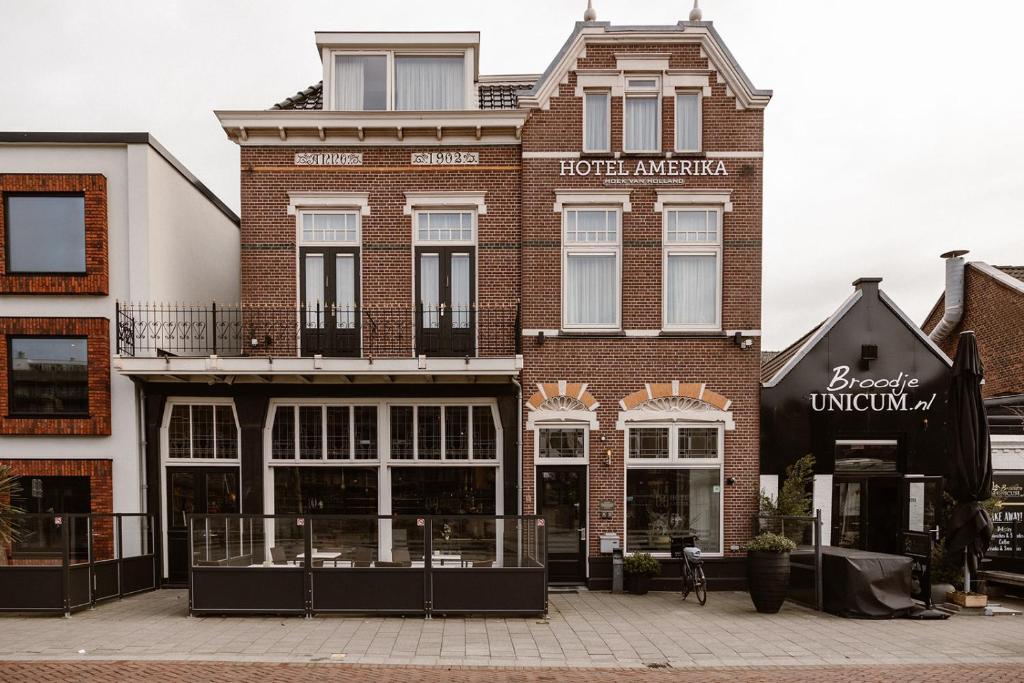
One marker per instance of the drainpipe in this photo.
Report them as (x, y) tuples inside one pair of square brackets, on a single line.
[(954, 297), (519, 443)]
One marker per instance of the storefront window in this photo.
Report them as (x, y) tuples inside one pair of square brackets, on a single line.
[(202, 431), (325, 490), (561, 443), (648, 442), (443, 490), (866, 456), (324, 432), (663, 503)]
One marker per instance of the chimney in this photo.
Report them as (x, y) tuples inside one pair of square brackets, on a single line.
[(954, 297), (868, 285)]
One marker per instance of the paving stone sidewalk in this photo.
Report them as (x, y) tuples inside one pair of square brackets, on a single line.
[(583, 630)]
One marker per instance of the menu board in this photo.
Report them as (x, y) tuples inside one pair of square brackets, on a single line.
[(1008, 534)]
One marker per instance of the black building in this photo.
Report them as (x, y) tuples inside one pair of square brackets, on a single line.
[(864, 392)]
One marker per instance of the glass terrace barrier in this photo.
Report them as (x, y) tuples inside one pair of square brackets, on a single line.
[(805, 561), (367, 564), (64, 562)]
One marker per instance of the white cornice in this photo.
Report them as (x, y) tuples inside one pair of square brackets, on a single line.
[(595, 196), (429, 199), (332, 200), (678, 197)]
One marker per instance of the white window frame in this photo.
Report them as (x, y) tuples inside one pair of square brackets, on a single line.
[(540, 425), (330, 97), (426, 210), (593, 249), (300, 215), (674, 462), (323, 459), (443, 405), (608, 112), (679, 248), (631, 92), (700, 121), (165, 432)]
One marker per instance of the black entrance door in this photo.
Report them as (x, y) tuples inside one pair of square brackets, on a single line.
[(330, 293), (867, 513), (194, 490), (562, 501), (445, 316)]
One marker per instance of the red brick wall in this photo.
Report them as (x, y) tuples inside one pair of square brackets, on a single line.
[(616, 366), (97, 332), (95, 279), (996, 314)]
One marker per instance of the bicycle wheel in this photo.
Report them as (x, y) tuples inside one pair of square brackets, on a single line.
[(700, 585), (687, 580)]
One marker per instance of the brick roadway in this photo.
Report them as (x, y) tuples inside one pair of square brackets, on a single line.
[(39, 672), (584, 630)]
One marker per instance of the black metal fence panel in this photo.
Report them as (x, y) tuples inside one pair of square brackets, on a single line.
[(367, 564), (65, 562)]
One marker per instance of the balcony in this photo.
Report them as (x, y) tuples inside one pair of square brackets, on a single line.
[(265, 341)]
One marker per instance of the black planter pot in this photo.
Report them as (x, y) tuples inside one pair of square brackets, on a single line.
[(768, 580), (638, 584)]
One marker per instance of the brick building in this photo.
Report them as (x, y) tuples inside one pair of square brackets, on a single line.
[(470, 294), (89, 219)]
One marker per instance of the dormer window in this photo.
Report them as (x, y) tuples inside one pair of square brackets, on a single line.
[(399, 81)]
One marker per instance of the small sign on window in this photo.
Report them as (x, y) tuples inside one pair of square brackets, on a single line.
[(420, 521)]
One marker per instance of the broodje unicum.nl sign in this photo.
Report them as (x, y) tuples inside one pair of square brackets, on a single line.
[(848, 393)]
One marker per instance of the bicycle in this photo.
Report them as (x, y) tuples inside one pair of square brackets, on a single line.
[(693, 570)]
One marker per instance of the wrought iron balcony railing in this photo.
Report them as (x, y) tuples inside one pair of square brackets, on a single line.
[(155, 330)]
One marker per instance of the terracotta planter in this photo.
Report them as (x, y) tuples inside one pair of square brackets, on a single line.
[(768, 580), (638, 584)]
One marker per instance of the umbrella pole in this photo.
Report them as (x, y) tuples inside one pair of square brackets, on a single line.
[(967, 574)]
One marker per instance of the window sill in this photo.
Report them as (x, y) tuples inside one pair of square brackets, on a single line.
[(48, 416), (715, 334), (591, 333), (648, 155)]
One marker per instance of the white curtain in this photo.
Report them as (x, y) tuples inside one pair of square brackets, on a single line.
[(345, 291), (704, 507), (688, 121), (460, 291), (591, 291), (429, 280), (692, 289), (314, 290), (349, 83), (429, 83), (596, 137), (443, 226), (642, 124)]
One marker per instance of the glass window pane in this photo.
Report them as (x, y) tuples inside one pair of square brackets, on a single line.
[(460, 291), (45, 234), (867, 457), (401, 432), (360, 83), (485, 436), (691, 289), (641, 124), (445, 226), (666, 503), (430, 280), (596, 136), (561, 443), (227, 432), (282, 434), (592, 226), (648, 442), (311, 435), (345, 294), (325, 490), (688, 122), (339, 434), (202, 431), (366, 432), (692, 225), (428, 427), (49, 376), (429, 83), (183, 498), (456, 432), (178, 433), (222, 493), (314, 291), (329, 227), (443, 491), (698, 442), (591, 289)]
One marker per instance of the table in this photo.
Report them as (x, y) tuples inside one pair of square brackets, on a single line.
[(858, 583)]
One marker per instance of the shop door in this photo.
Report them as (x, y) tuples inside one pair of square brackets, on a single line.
[(866, 513), (445, 316), (330, 294), (922, 498), (561, 501), (194, 490)]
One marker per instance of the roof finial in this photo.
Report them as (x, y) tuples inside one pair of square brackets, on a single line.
[(590, 14), (695, 13)]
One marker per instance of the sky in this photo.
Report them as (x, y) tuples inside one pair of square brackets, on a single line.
[(896, 131)]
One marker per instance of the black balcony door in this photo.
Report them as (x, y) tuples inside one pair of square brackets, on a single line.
[(445, 291), (562, 502), (329, 283), (194, 490)]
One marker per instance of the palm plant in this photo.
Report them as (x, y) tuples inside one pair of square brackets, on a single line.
[(8, 488)]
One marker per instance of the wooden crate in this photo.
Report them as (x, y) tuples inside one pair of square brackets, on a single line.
[(967, 599)]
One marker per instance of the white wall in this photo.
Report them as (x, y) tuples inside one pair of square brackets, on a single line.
[(193, 247), (151, 210)]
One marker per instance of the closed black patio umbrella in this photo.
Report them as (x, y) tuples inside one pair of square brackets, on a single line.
[(970, 476)]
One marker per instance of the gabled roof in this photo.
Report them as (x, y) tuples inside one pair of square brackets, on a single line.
[(310, 98), (1013, 271), (491, 96), (775, 370), (699, 32), (1011, 277)]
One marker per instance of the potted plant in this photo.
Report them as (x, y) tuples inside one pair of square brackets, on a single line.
[(640, 568), (8, 527), (768, 571)]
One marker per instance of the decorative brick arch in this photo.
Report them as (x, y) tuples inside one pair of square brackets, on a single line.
[(562, 401), (679, 399)]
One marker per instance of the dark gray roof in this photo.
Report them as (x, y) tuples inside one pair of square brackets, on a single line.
[(771, 366), (1013, 271), (492, 96), (100, 138)]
